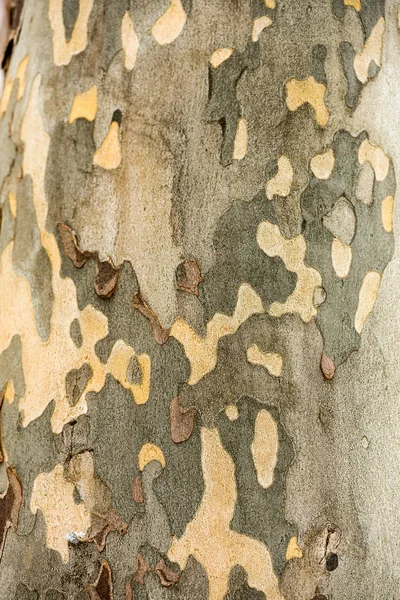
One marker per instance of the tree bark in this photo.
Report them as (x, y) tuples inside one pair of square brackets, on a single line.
[(199, 308)]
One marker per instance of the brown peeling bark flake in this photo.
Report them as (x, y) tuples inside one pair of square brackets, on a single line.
[(70, 245), (137, 490), (160, 334), (327, 366), (141, 569), (167, 576), (189, 277), (102, 588), (10, 506), (181, 421), (106, 279), (102, 525)]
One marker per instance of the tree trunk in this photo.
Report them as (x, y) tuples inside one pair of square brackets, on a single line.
[(199, 308)]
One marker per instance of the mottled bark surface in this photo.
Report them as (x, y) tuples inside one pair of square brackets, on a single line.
[(199, 307)]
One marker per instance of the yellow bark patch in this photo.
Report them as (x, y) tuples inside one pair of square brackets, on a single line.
[(270, 3), (302, 91), (258, 26), (354, 3), (129, 41), (341, 258), (281, 183), (232, 412), (264, 448), (220, 56), (53, 496), (292, 252), (202, 352), (9, 392), (376, 157), (387, 213), (367, 298), (240, 143), (149, 452), (322, 164), (12, 202), (208, 537), (170, 25), (20, 75), (84, 106), (272, 361), (5, 98), (109, 155), (372, 51), (63, 51), (293, 549)]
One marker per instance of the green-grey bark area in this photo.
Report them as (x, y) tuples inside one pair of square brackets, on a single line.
[(199, 328)]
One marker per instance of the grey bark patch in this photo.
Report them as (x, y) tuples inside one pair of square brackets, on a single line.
[(70, 11), (24, 593), (76, 381), (240, 259), (318, 56), (76, 333), (11, 366), (239, 588), (55, 595), (134, 372), (82, 134), (223, 105), (31, 260), (258, 511), (341, 221), (354, 86)]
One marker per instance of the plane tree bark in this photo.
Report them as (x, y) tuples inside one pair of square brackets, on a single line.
[(199, 308)]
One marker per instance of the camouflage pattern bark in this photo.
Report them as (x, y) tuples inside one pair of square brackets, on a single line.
[(199, 308)]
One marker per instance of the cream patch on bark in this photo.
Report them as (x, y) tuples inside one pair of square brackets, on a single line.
[(170, 25), (129, 40), (302, 91), (271, 361), (264, 448), (63, 51), (367, 298)]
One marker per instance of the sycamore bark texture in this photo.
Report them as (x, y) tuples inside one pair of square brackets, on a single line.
[(199, 300)]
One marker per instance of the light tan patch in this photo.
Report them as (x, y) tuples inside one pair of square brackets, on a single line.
[(365, 184), (12, 202), (322, 164), (53, 496), (208, 537), (240, 143), (84, 106), (372, 51), (109, 155), (20, 75), (302, 91), (264, 448), (270, 3), (387, 213), (272, 361), (232, 412), (63, 51), (293, 549), (354, 3), (376, 157), (258, 26), (220, 56), (292, 252), (129, 40), (281, 183), (5, 97), (202, 352), (367, 298), (341, 258), (149, 452), (170, 25)]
